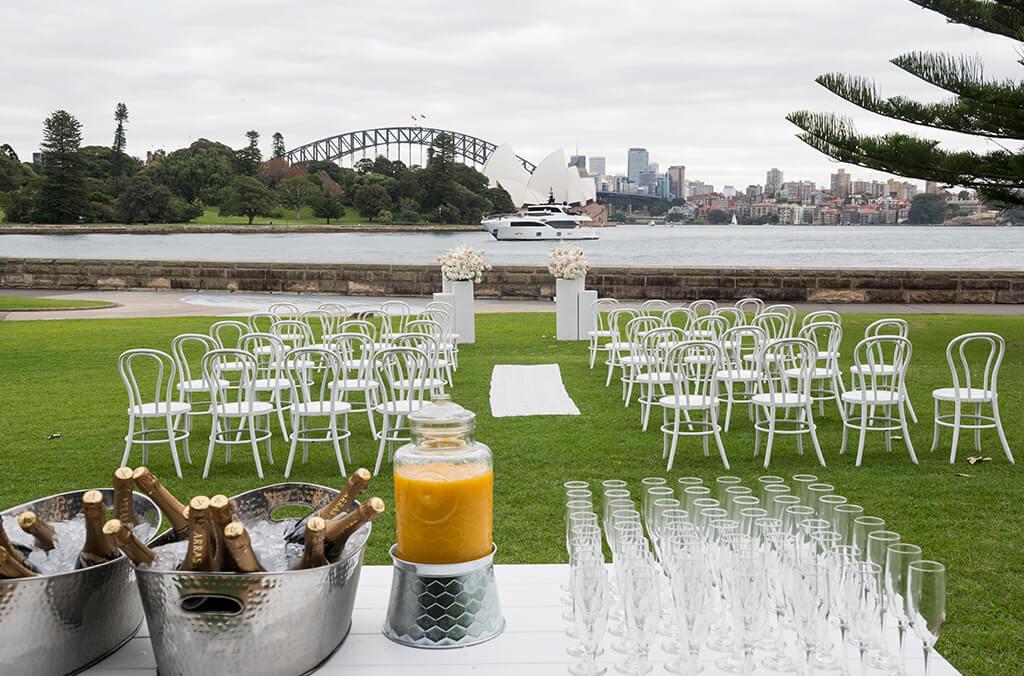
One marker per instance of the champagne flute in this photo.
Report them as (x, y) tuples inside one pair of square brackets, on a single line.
[(926, 603), (590, 611), (723, 482), (642, 598), (828, 504), (864, 606), (843, 517), (862, 527), (800, 484), (878, 543), (898, 558), (685, 482), (780, 503), (691, 596), (768, 480)]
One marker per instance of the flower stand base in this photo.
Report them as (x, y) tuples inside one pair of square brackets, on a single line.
[(567, 308)]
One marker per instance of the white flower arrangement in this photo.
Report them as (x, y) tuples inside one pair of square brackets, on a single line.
[(463, 264), (567, 262)]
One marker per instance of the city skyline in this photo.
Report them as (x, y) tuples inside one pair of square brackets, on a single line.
[(713, 99)]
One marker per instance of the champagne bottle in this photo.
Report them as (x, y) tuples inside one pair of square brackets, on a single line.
[(338, 531), (221, 514), (125, 539), (11, 567), (239, 549), (124, 502), (200, 553), (357, 483), (42, 532), (168, 504), (98, 547), (18, 552), (313, 555)]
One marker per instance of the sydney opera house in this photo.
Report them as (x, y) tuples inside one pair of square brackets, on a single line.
[(551, 178)]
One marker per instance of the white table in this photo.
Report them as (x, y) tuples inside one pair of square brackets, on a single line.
[(533, 643)]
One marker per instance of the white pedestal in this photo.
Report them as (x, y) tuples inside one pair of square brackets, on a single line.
[(465, 315), (567, 308), (587, 319)]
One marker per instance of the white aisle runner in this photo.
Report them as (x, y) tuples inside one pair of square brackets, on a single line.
[(529, 390)]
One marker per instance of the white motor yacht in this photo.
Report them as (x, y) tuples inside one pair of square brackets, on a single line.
[(540, 222)]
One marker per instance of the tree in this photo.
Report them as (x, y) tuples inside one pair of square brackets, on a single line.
[(13, 174), (120, 141), (296, 193), (328, 206), (929, 208), (7, 151), (277, 169), (200, 172), (279, 150), (62, 194), (370, 199), (249, 157), (979, 106), (144, 201), (408, 211), (248, 197), (718, 217)]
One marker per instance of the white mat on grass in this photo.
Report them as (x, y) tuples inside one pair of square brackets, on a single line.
[(529, 390)]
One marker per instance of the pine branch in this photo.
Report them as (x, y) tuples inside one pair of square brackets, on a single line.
[(1003, 17), (959, 115), (996, 173), (963, 76)]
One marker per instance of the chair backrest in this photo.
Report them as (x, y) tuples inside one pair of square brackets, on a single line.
[(739, 341), (600, 308), (881, 366), (428, 344), (442, 317), (362, 326), (694, 365), (146, 370), (398, 315), (733, 316), (292, 332), (402, 374), (428, 327), (284, 310), (888, 326), (638, 327), (787, 311), (978, 357), (775, 325), (336, 309), (618, 318), (268, 351), (378, 317), (656, 345), (260, 322), (749, 305), (654, 307), (787, 368), (228, 332), (320, 322), (301, 363), (681, 317), (189, 349), (708, 327), (704, 306), (355, 354), (217, 365), (827, 337), (447, 307), (821, 316)]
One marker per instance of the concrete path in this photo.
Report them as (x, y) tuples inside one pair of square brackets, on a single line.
[(216, 303)]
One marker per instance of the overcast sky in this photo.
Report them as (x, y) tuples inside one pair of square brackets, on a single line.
[(705, 84)]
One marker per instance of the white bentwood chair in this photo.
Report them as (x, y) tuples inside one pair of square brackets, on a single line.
[(236, 400), (188, 349), (402, 374), (139, 368), (601, 334), (826, 376), (314, 398), (694, 400), (889, 326), (880, 365), (739, 375), (975, 375), (786, 367)]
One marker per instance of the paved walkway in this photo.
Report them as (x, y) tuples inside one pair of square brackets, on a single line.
[(216, 303)]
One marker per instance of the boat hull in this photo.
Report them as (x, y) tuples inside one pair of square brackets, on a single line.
[(514, 233)]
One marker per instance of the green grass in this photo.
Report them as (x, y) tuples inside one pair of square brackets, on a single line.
[(15, 303), (60, 376)]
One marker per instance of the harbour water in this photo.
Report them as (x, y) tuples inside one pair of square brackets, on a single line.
[(631, 246)]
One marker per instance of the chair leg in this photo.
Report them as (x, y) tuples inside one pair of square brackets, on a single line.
[(664, 434), (348, 434), (145, 447), (906, 435), (863, 432), (846, 434), (728, 404), (935, 429), (256, 448), (800, 419), (279, 405), (675, 440), (977, 430), (887, 412), (910, 407), (291, 452), (128, 441), (174, 446), (999, 431), (214, 426), (718, 438), (956, 431), (333, 425), (812, 428), (383, 443), (771, 438)]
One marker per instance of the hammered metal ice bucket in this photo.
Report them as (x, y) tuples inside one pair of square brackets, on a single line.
[(271, 624), (443, 605), (63, 623)]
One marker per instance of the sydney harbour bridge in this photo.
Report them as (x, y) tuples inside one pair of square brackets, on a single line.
[(400, 142)]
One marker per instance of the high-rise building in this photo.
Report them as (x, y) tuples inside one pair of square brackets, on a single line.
[(677, 178), (653, 167), (729, 191), (840, 184), (773, 180), (636, 161), (578, 161), (597, 166), (663, 186), (647, 180)]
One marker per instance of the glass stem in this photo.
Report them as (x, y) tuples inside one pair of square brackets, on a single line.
[(694, 658), (901, 627), (927, 662), (863, 659)]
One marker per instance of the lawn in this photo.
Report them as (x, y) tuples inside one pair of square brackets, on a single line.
[(16, 303), (287, 217), (61, 377)]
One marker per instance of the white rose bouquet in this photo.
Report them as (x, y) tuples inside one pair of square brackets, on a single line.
[(463, 264), (567, 262)]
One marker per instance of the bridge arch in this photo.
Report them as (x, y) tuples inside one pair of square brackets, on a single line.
[(470, 149)]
